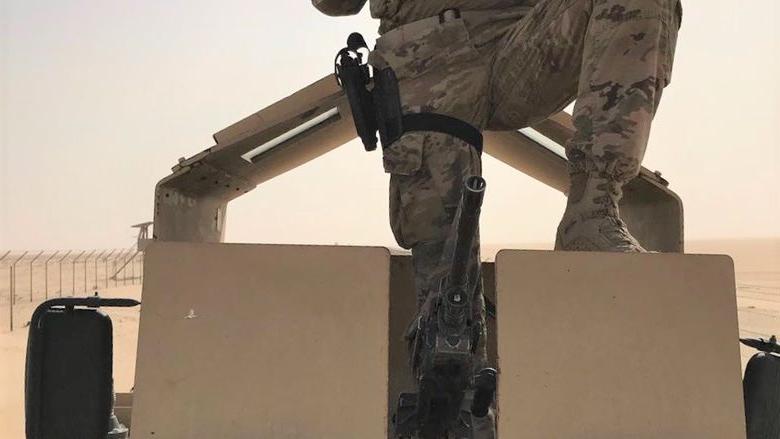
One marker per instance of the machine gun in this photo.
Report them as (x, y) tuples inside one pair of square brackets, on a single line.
[(444, 337)]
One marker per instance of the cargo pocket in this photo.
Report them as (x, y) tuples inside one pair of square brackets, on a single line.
[(404, 156), (402, 160), (441, 46), (410, 200)]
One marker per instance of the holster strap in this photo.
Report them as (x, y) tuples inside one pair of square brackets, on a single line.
[(441, 123)]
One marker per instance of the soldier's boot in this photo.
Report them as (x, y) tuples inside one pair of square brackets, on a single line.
[(485, 383), (592, 221), (483, 420)]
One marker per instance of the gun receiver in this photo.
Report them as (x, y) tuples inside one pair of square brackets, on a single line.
[(444, 339)]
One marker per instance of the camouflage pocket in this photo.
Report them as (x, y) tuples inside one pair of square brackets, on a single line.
[(439, 46), (404, 156)]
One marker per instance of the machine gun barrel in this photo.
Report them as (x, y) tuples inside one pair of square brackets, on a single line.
[(445, 336), (468, 221)]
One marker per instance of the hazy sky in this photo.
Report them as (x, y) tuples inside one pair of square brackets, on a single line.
[(98, 99)]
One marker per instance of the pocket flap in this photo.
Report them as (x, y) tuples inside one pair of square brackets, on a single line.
[(404, 156)]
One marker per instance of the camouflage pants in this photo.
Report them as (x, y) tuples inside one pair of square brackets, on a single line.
[(613, 56)]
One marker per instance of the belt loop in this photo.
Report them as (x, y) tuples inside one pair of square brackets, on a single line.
[(449, 14)]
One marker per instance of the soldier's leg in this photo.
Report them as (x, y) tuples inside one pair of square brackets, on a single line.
[(424, 199), (617, 55), (627, 62), (426, 182), (440, 71), (427, 169)]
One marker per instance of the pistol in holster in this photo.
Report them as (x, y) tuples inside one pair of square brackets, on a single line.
[(375, 98)]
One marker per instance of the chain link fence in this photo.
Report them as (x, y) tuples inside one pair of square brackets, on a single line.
[(35, 276)]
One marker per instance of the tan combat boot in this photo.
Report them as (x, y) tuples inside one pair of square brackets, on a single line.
[(592, 221)]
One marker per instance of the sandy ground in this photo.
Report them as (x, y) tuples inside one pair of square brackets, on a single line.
[(757, 265)]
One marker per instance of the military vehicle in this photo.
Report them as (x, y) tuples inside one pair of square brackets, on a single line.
[(291, 341)]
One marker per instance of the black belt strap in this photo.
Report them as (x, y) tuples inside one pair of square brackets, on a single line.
[(444, 124)]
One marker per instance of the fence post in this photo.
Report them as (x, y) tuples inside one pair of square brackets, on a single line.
[(73, 273), (59, 261), (105, 262), (13, 276), (46, 273), (127, 263), (10, 287), (123, 267), (31, 273), (86, 260), (113, 267), (11, 295), (123, 270), (97, 258)]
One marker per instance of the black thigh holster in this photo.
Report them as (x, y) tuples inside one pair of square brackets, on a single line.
[(375, 101)]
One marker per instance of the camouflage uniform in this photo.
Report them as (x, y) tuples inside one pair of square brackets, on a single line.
[(506, 65)]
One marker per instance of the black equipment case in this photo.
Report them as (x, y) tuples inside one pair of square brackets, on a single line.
[(762, 390), (69, 371)]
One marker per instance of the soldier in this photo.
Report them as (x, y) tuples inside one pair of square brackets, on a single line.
[(506, 65)]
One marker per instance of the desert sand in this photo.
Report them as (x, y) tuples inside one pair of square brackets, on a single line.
[(757, 264)]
